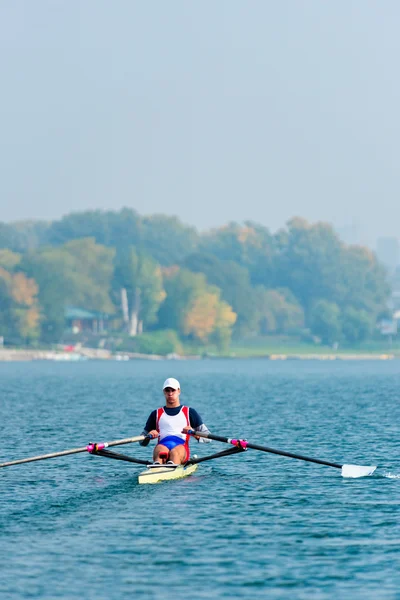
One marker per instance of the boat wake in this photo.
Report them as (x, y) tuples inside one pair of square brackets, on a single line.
[(391, 475)]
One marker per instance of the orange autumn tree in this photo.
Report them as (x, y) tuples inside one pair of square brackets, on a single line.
[(226, 318), (24, 293), (194, 308), (210, 318), (19, 299), (201, 317)]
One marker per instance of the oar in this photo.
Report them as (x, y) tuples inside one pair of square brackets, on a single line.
[(90, 448), (347, 470)]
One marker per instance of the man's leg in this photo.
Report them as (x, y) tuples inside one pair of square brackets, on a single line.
[(161, 453), (178, 454)]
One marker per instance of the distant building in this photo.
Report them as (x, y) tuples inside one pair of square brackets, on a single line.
[(79, 319), (388, 253)]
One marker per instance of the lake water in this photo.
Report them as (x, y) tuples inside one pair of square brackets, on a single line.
[(249, 526)]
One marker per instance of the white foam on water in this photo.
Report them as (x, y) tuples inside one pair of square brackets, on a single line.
[(391, 475)]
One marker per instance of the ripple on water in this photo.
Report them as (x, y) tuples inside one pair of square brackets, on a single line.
[(253, 525)]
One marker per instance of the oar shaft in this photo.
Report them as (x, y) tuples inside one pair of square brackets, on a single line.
[(245, 444), (137, 438), (42, 457), (298, 456)]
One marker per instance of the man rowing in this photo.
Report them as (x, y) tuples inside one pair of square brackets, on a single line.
[(170, 424)]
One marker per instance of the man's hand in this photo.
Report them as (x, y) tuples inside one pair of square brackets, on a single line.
[(153, 433), (187, 429)]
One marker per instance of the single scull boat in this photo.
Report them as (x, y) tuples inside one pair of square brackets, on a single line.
[(166, 473)]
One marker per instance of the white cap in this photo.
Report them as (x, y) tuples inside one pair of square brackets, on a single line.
[(172, 383)]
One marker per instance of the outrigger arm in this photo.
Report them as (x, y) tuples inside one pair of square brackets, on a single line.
[(195, 461), (119, 456), (191, 461)]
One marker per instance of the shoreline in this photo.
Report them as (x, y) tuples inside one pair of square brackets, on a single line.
[(8, 355)]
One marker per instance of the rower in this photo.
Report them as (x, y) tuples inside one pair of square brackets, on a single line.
[(171, 424)]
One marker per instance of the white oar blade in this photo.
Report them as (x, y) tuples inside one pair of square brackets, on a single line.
[(356, 471)]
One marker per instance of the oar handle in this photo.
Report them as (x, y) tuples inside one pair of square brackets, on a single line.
[(246, 444)]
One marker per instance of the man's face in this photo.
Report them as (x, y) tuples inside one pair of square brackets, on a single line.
[(171, 396)]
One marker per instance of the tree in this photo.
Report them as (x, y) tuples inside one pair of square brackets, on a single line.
[(117, 229), (31, 234), (89, 269), (78, 274), (224, 322), (250, 245), (356, 325), (9, 238), (234, 282), (325, 321), (278, 310), (314, 264), (7, 322), (167, 240), (9, 260), (181, 287), (20, 314), (309, 263), (200, 319), (365, 281), (194, 308), (52, 279), (138, 279), (209, 315)]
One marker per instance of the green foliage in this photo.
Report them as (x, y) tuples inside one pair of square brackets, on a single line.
[(314, 264), (357, 325), (310, 263), (7, 320), (44, 268), (107, 228), (278, 310), (250, 245), (19, 315), (155, 342), (166, 240), (182, 287), (234, 282), (364, 281), (9, 260), (31, 234), (9, 238), (88, 268), (140, 277), (23, 235), (238, 278), (325, 321), (194, 308), (78, 273)]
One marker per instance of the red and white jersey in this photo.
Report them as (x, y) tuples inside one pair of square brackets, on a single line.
[(173, 425)]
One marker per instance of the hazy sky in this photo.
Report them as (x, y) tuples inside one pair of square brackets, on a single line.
[(213, 110)]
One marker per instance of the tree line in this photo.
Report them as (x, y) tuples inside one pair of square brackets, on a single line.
[(154, 274)]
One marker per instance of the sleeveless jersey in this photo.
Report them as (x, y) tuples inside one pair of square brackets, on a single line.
[(173, 425)]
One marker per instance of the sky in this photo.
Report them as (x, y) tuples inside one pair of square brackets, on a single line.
[(214, 111)]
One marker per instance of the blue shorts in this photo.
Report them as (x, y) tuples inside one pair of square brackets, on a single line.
[(171, 441)]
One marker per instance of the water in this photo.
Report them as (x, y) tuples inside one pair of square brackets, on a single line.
[(250, 526)]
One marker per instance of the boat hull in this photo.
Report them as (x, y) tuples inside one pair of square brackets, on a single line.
[(157, 475)]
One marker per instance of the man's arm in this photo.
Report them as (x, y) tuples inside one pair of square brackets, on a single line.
[(197, 424), (150, 426)]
